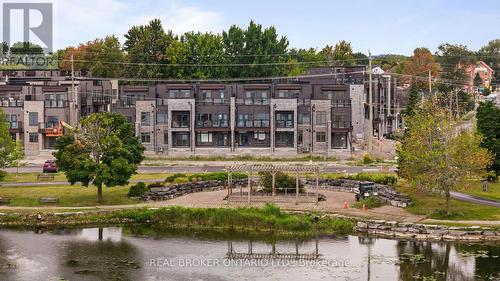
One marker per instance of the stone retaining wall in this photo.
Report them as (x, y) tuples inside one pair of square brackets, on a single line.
[(399, 230), (385, 192)]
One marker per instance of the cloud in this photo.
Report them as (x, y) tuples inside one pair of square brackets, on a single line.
[(79, 21)]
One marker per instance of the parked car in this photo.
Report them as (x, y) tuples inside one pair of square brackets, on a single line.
[(50, 166)]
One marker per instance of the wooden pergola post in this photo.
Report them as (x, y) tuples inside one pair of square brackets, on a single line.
[(274, 184), (229, 186), (249, 186), (296, 188), (317, 187)]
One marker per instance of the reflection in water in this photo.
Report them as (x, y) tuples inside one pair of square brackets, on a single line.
[(126, 254)]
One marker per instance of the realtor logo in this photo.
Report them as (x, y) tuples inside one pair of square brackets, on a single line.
[(34, 32)]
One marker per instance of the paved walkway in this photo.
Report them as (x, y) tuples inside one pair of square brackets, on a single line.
[(475, 199)]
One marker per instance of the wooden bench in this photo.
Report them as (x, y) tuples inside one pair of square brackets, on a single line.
[(45, 176), (48, 200), (4, 200)]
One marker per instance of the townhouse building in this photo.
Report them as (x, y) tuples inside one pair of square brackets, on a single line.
[(324, 113)]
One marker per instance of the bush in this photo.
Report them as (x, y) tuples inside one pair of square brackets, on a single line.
[(174, 176), (370, 203), (219, 176), (367, 159), (137, 190), (181, 180), (375, 177), (283, 182), (2, 175)]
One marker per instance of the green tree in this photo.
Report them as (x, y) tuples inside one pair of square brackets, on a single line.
[(413, 100), (283, 182), (7, 144), (340, 55), (488, 125), (453, 59), (104, 152), (490, 54), (4, 48), (148, 44), (16, 156), (435, 156), (419, 65), (22, 48), (477, 80)]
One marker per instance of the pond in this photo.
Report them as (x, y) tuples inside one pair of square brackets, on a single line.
[(139, 253)]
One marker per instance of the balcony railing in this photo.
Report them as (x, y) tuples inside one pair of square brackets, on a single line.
[(252, 101), (15, 125), (341, 103), (341, 125), (212, 124), (180, 124), (304, 102), (100, 100), (55, 103), (284, 124), (212, 101), (253, 123), (11, 103)]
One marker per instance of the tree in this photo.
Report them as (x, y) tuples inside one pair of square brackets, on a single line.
[(104, 152), (488, 125), (148, 44), (340, 55), (477, 80), (419, 65), (7, 144), (26, 48), (490, 55), (434, 155), (16, 156), (413, 100), (283, 182), (4, 48), (454, 58)]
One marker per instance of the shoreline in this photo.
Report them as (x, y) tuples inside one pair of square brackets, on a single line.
[(269, 220)]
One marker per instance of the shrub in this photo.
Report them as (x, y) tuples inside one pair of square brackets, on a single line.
[(137, 190), (181, 180), (219, 176), (370, 203), (2, 175), (283, 182), (367, 159), (174, 176)]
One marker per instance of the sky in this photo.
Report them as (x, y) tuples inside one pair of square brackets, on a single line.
[(380, 26)]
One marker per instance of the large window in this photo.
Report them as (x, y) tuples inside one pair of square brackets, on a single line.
[(243, 119), (161, 118), (52, 121), (320, 118), (222, 120), (180, 139), (33, 137), (204, 137), (179, 94), (145, 118), (146, 137), (180, 120), (261, 120), (288, 94), (284, 120), (33, 119), (55, 100), (320, 137), (339, 140), (304, 118), (165, 137)]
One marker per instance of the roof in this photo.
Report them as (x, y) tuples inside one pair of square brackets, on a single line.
[(273, 168)]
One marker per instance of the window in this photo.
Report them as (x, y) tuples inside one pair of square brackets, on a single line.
[(145, 118), (146, 137), (33, 119), (161, 118), (129, 119), (288, 94), (300, 137), (204, 137), (180, 139), (180, 120), (320, 118), (242, 119), (222, 120), (320, 137), (258, 135), (179, 94), (33, 137), (304, 118), (339, 140), (165, 137), (52, 121), (284, 120)]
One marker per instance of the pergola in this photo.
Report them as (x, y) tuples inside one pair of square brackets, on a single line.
[(273, 169)]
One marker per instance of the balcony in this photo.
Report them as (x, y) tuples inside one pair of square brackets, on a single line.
[(253, 101), (100, 100), (341, 103), (212, 101), (11, 103), (55, 103), (15, 125), (253, 123), (306, 102), (284, 124), (212, 124), (341, 125)]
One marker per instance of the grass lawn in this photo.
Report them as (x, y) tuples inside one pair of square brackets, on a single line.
[(477, 190), (435, 206), (31, 177), (74, 196)]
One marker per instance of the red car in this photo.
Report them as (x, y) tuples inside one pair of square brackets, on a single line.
[(50, 166)]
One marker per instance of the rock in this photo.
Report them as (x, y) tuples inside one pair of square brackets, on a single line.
[(391, 223), (384, 227), (456, 233), (400, 229), (489, 233), (361, 224), (436, 231), (413, 230), (374, 226)]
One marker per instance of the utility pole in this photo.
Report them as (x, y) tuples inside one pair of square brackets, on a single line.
[(370, 105), (430, 84)]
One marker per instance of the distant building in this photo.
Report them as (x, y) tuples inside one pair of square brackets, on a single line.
[(485, 72)]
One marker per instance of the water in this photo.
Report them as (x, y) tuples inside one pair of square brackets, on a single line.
[(136, 253)]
